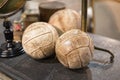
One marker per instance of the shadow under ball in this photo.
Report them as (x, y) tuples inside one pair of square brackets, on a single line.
[(74, 49), (49, 8), (39, 40)]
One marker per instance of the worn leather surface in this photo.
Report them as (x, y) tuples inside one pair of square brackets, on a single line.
[(26, 68)]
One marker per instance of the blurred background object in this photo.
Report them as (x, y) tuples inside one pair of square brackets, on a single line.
[(106, 17), (3, 2), (10, 7), (47, 9), (31, 13), (10, 48)]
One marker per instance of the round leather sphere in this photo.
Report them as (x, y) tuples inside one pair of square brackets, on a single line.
[(39, 40), (65, 20), (74, 49)]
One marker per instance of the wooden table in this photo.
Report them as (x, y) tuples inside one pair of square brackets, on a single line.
[(26, 68)]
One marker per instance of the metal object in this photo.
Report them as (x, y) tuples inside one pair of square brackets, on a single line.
[(84, 26), (93, 16), (91, 26), (93, 19), (10, 48), (84, 16), (11, 7), (3, 2)]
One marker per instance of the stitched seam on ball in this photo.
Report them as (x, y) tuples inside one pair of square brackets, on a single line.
[(34, 37), (79, 55), (69, 38), (43, 52), (53, 34), (40, 49), (80, 60), (77, 18), (89, 47), (62, 25), (32, 28), (61, 60), (68, 63), (75, 49), (90, 51)]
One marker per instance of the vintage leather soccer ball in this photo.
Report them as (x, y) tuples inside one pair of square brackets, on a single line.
[(74, 49), (65, 20), (39, 40)]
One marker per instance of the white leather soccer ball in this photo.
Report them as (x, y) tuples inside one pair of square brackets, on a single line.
[(74, 49), (65, 20), (39, 40)]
